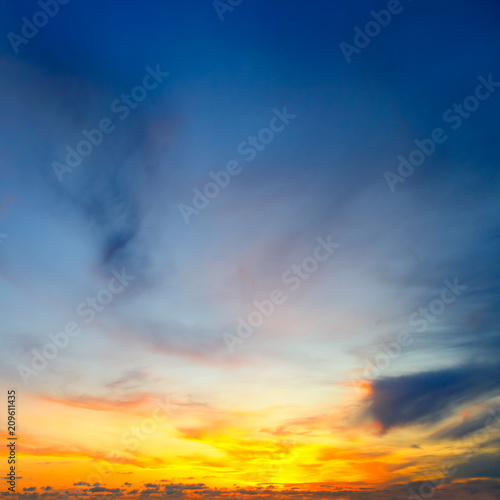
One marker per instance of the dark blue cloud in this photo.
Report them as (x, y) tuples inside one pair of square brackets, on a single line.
[(481, 466), (463, 429), (430, 396)]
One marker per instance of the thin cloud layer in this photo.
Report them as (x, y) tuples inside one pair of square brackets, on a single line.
[(355, 374)]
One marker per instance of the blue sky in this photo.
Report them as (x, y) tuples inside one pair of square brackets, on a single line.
[(323, 175)]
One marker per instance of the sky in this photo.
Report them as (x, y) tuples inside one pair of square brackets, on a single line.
[(249, 249)]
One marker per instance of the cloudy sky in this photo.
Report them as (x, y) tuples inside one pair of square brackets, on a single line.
[(251, 249)]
